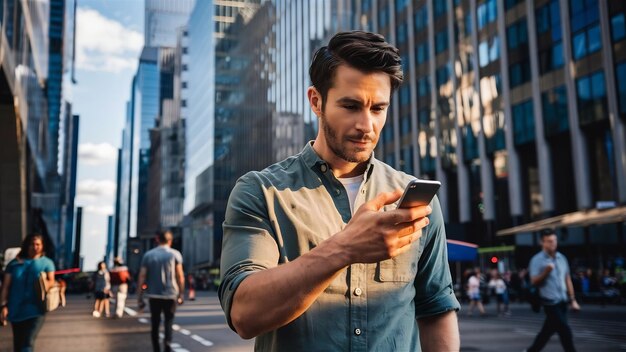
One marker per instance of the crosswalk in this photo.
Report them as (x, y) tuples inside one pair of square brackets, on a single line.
[(176, 347)]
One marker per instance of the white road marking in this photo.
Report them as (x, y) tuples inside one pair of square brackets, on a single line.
[(143, 320), (202, 340)]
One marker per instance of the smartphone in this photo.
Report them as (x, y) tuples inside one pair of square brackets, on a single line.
[(419, 192)]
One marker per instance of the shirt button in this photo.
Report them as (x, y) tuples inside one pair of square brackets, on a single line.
[(357, 332), (323, 167), (357, 291), (337, 192)]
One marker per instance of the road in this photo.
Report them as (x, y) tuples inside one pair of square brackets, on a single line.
[(200, 326)]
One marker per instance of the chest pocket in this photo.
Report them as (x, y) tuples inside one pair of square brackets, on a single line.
[(401, 268)]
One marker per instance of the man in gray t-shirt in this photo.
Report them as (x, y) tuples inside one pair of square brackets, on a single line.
[(162, 271)]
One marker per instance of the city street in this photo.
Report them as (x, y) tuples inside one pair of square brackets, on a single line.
[(200, 326)]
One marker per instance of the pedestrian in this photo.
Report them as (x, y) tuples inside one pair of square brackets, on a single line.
[(191, 282), (162, 270), (473, 292), (498, 285), (316, 256), (549, 271), (120, 277), (102, 291), (19, 300)]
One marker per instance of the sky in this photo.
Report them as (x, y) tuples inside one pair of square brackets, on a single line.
[(109, 38)]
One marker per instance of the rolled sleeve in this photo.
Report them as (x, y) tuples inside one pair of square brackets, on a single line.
[(433, 283), (248, 245)]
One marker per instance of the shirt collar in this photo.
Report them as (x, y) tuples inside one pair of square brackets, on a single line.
[(313, 161)]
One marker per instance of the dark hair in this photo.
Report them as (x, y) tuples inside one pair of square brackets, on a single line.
[(26, 242), (164, 236), (546, 232), (365, 51), (102, 262)]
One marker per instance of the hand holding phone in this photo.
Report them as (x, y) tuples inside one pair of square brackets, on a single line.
[(419, 192)]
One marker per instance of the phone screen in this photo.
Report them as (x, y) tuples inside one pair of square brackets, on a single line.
[(419, 192)]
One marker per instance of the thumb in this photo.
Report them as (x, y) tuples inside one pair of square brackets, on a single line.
[(384, 198)]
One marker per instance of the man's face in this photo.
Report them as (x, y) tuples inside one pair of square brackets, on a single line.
[(355, 112), (549, 243)]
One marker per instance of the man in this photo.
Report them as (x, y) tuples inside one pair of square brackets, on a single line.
[(316, 256), (119, 280), (162, 270), (549, 271)]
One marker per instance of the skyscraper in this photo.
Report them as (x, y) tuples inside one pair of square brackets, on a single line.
[(161, 20)]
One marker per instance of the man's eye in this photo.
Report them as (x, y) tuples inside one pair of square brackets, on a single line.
[(378, 109), (351, 107)]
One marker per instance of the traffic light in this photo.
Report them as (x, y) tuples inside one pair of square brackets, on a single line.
[(494, 260)]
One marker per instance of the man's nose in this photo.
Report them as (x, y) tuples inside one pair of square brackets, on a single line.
[(365, 122)]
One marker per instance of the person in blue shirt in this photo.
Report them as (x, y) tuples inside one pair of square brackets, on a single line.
[(549, 271), (19, 299)]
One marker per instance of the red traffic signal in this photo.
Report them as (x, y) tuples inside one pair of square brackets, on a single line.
[(494, 260)]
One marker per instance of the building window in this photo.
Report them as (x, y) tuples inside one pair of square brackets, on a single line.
[(441, 41), (620, 74), (422, 53), (591, 96), (517, 35), (586, 42), (488, 51), (440, 7), (402, 33), (401, 4), (405, 95), (509, 4), (423, 87), (407, 160), (442, 75), (519, 73), (551, 58), (383, 17), (486, 12), (523, 123), (468, 24), (584, 16), (618, 27), (548, 18), (405, 123), (554, 108), (421, 19)]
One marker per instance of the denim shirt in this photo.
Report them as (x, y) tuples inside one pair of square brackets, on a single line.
[(554, 288), (276, 215)]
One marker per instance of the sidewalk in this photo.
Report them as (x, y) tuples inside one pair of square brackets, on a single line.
[(73, 329)]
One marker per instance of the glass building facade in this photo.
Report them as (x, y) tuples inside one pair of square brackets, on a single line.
[(33, 103), (490, 108), (162, 18)]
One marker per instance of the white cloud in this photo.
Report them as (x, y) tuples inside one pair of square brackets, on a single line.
[(103, 44), (91, 191), (99, 209), (97, 154)]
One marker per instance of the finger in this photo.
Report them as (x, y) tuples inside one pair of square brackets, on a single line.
[(385, 198), (408, 215), (403, 230), (406, 241)]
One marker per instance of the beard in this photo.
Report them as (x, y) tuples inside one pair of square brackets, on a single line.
[(342, 151)]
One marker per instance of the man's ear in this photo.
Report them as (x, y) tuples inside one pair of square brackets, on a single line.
[(315, 100)]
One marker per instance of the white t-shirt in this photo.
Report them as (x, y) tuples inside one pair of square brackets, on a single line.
[(473, 286), (352, 185), (499, 285)]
